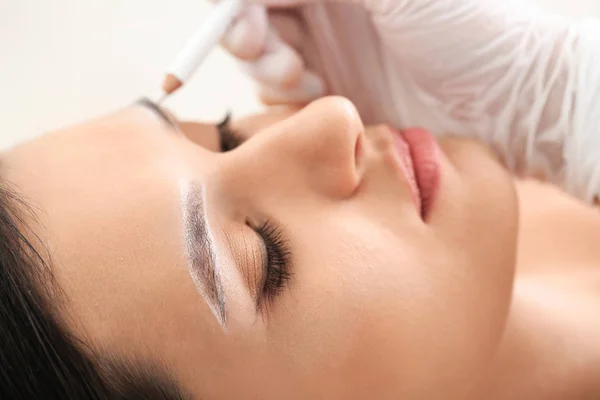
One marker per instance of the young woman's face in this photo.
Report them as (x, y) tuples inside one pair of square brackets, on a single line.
[(296, 266)]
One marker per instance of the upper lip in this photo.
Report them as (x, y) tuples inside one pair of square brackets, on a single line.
[(397, 152)]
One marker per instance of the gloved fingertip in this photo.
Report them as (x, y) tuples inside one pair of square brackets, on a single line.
[(310, 87), (279, 66), (246, 38)]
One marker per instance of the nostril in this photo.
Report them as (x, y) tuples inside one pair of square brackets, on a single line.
[(359, 151)]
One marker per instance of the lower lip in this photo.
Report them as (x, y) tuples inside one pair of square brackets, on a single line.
[(425, 164)]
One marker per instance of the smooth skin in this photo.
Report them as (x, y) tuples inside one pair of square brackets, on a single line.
[(381, 304)]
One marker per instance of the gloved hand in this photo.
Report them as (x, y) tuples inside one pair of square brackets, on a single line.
[(526, 83)]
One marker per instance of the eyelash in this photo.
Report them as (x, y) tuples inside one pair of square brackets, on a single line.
[(228, 138), (277, 263)]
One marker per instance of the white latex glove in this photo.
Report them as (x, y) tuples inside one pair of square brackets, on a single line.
[(526, 83)]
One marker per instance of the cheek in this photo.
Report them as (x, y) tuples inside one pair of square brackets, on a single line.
[(343, 322), (472, 266), (371, 308), (484, 238)]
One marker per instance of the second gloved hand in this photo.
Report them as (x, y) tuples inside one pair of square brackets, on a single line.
[(502, 72)]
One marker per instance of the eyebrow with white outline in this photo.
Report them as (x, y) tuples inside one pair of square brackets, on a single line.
[(200, 250)]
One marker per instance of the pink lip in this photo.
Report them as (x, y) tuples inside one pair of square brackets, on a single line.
[(420, 163)]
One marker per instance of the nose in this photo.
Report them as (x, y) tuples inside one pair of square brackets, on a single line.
[(320, 146)]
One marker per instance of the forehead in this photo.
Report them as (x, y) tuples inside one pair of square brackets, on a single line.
[(108, 199), (122, 125), (99, 168)]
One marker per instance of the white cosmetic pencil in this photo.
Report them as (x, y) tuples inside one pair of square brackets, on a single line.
[(200, 44)]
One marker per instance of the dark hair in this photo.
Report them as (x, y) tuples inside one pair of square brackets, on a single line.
[(39, 358)]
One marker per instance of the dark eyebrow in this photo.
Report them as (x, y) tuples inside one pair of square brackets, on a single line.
[(200, 251), (156, 109)]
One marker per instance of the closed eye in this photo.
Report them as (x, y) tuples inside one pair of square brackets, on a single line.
[(156, 109), (228, 138), (276, 270)]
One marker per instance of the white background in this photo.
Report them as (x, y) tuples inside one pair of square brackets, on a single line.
[(62, 61)]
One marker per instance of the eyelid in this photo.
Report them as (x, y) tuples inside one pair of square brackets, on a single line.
[(252, 262), (163, 114), (229, 139), (276, 268)]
